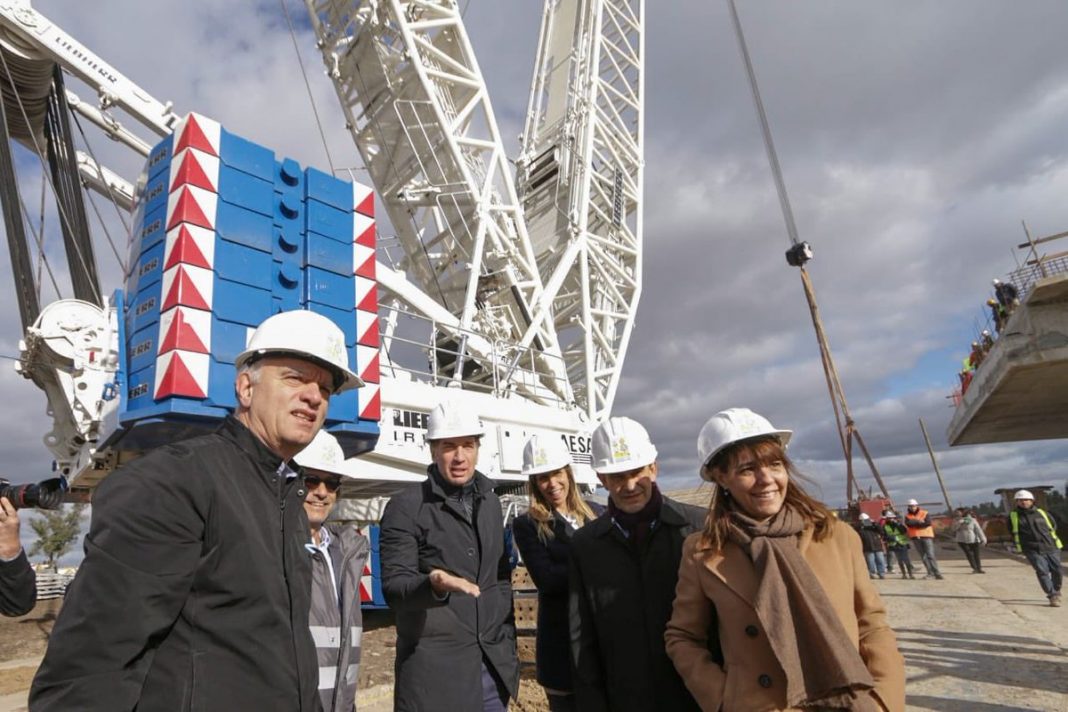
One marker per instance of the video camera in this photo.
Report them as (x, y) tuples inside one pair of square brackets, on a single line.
[(47, 494)]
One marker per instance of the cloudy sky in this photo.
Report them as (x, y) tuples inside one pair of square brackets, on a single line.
[(914, 137)]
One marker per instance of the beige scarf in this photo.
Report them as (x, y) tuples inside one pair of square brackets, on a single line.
[(823, 668)]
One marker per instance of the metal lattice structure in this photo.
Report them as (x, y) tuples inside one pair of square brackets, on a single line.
[(559, 272)]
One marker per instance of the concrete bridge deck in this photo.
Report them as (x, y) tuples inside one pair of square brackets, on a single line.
[(1020, 391), (972, 643)]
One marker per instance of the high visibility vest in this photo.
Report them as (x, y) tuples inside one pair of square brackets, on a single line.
[(919, 532), (1014, 518)]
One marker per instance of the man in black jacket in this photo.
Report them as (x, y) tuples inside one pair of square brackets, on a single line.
[(446, 574), (194, 591), (624, 567), (18, 583), (337, 556)]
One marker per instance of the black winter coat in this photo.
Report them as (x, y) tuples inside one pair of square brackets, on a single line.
[(18, 586), (871, 537), (548, 563), (441, 643), (194, 591), (620, 603)]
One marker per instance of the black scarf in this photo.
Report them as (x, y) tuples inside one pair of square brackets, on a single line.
[(638, 524)]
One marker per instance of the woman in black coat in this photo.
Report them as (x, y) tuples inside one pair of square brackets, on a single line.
[(543, 536)]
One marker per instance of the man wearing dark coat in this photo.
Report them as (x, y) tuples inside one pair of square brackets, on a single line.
[(446, 574), (194, 591), (624, 567)]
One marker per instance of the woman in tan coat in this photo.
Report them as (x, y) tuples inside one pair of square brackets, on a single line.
[(800, 624)]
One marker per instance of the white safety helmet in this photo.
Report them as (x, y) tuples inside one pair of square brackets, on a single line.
[(1024, 494), (996, 281), (890, 514), (913, 503), (621, 445), (728, 427), (543, 454), (306, 335), (323, 453), (449, 420), (864, 517)]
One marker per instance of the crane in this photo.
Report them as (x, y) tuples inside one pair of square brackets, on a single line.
[(512, 291)]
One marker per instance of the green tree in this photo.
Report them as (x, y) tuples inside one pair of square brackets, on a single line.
[(56, 531)]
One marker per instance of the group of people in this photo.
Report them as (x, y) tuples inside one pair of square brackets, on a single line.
[(760, 601), (1005, 300), (890, 535), (212, 581)]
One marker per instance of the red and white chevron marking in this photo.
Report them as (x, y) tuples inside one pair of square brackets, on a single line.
[(196, 168), (185, 329), (193, 205), (199, 132), (181, 373)]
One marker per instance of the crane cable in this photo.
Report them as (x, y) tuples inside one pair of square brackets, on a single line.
[(40, 157), (307, 84), (769, 144), (111, 195)]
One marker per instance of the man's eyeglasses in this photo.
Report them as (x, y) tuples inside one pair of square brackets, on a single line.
[(313, 481)]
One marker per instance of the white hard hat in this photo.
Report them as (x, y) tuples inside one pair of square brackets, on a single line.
[(307, 335), (544, 454), (730, 426), (323, 453), (864, 517), (620, 445), (913, 503), (890, 514), (997, 281), (1024, 494), (449, 420)]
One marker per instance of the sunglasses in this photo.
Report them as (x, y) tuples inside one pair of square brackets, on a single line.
[(313, 481)]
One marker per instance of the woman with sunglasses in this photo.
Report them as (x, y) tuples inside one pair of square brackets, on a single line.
[(543, 536), (800, 623)]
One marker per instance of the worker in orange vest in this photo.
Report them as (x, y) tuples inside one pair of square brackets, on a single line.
[(922, 534)]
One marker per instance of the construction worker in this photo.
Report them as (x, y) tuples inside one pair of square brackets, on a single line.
[(976, 355), (921, 532), (871, 539), (543, 537), (338, 555), (997, 313), (897, 542), (1007, 295), (194, 591), (624, 567), (987, 341), (447, 576), (18, 582), (1035, 532)]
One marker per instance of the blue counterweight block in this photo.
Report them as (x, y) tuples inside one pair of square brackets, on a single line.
[(288, 178), (288, 247), (331, 289), (246, 156), (146, 270), (151, 231), (143, 307), (343, 407), (289, 282), (236, 302), (221, 385), (328, 254), (159, 158), (229, 338), (244, 227), (155, 192), (345, 319), (327, 189), (329, 221), (357, 437), (142, 348), (243, 264), (246, 191)]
